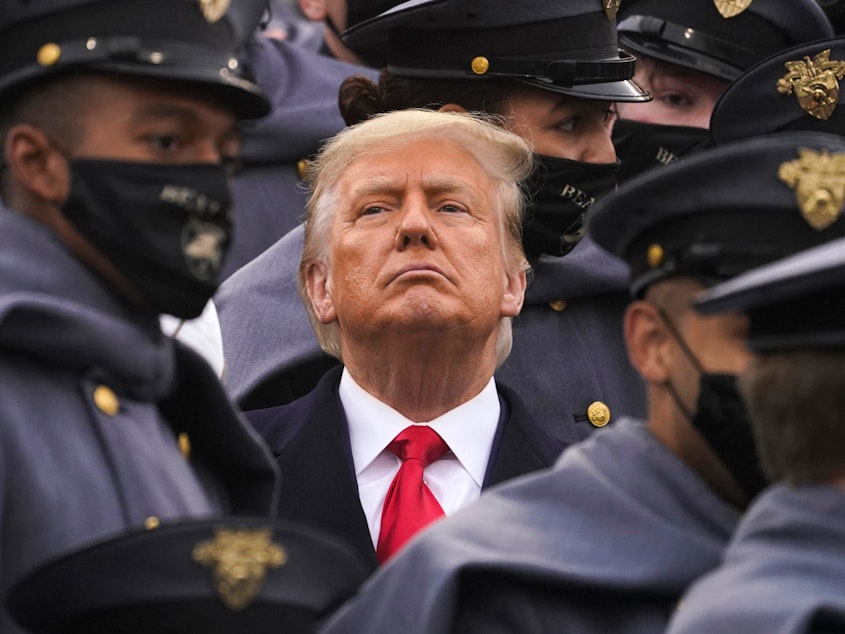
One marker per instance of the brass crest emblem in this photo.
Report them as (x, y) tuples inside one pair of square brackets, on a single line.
[(611, 8), (818, 179), (239, 560), (815, 83), (213, 10), (730, 8)]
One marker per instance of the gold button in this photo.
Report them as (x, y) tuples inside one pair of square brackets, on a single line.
[(151, 522), (598, 414), (184, 445), (302, 168), (106, 400), (49, 54), (654, 255), (480, 65), (558, 305)]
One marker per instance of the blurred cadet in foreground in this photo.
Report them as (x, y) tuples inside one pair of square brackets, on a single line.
[(550, 71), (411, 273), (608, 540), (119, 119), (783, 571), (226, 575), (687, 54)]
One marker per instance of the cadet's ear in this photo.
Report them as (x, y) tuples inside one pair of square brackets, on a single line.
[(35, 165), (318, 285), (451, 107), (648, 341), (314, 9)]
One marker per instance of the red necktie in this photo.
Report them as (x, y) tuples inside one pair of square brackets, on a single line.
[(409, 505)]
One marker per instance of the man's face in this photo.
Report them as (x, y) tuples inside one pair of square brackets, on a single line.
[(416, 245), (682, 96), (152, 121), (562, 126)]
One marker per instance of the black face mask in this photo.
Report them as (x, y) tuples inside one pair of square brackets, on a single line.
[(642, 146), (722, 420), (165, 227), (561, 191)]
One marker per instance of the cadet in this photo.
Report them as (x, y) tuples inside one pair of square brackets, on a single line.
[(568, 360), (608, 539), (118, 120), (783, 571), (687, 53)]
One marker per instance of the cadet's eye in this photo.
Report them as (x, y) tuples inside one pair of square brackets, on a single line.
[(568, 125), (166, 143), (677, 100)]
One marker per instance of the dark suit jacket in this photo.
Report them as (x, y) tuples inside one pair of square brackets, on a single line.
[(310, 440)]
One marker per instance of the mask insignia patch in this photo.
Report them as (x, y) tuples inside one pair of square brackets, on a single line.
[(730, 8), (611, 8), (213, 10), (203, 245), (239, 560), (815, 83), (818, 179)]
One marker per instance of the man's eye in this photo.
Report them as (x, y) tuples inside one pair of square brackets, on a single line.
[(372, 210), (452, 209)]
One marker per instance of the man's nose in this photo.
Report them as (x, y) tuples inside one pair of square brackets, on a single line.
[(415, 226)]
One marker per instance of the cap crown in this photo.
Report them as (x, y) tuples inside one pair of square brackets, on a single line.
[(184, 40), (719, 37), (723, 211)]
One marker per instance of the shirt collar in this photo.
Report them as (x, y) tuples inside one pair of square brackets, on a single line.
[(469, 429)]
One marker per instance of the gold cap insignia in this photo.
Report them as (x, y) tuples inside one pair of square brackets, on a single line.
[(239, 560), (818, 179), (814, 82), (730, 8), (213, 10), (611, 8)]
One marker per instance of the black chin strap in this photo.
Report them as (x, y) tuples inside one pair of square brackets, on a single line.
[(688, 353), (333, 27)]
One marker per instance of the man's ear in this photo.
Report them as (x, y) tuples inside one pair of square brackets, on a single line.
[(318, 285), (35, 165), (514, 293), (648, 341), (451, 107), (315, 10)]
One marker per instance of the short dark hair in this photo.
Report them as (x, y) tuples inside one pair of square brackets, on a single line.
[(796, 401)]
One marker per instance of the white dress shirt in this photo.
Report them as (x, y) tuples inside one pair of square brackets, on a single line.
[(455, 479)]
